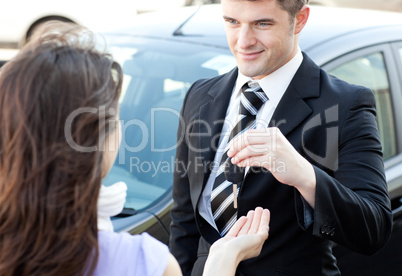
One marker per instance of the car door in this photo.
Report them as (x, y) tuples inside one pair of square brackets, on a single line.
[(379, 68)]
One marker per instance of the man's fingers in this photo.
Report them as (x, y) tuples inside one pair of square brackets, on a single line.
[(254, 141), (250, 137), (248, 152)]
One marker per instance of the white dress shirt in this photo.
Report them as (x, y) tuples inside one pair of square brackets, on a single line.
[(274, 85)]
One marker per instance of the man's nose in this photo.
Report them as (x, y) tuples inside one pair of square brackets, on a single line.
[(246, 37)]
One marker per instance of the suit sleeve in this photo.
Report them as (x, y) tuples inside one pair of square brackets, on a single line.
[(352, 206), (184, 235)]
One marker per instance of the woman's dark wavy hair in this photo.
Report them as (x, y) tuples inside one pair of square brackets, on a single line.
[(49, 188)]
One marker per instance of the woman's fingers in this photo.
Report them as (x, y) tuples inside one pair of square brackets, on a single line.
[(264, 225), (255, 225), (234, 231), (246, 227), (256, 222)]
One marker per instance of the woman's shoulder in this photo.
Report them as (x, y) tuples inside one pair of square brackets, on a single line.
[(125, 254)]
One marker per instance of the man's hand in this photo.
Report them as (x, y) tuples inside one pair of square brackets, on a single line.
[(270, 149)]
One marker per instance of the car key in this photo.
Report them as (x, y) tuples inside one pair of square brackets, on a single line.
[(234, 174)]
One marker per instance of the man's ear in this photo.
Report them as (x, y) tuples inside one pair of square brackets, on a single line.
[(301, 19)]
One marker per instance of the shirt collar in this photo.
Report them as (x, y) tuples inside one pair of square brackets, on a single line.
[(276, 83)]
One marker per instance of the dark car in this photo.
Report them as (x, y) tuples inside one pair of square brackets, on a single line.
[(163, 53)]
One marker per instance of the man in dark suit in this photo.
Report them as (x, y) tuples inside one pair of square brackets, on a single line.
[(313, 158)]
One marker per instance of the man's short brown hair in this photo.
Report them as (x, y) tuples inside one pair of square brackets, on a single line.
[(291, 6)]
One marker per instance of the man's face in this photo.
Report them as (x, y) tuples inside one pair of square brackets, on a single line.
[(260, 35)]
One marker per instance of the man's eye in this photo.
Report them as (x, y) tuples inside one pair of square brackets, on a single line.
[(263, 24), (231, 21)]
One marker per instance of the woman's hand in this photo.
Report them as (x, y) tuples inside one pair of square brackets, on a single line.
[(244, 241)]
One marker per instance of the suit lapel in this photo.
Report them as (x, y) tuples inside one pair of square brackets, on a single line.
[(211, 118), (292, 109)]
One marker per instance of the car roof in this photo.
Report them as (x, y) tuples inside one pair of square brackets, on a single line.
[(329, 23), (194, 24)]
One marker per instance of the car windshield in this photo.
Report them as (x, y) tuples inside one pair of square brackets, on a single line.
[(157, 75)]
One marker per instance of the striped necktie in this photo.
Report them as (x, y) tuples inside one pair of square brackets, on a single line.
[(225, 215)]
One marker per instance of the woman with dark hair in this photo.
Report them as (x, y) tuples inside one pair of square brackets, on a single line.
[(59, 134)]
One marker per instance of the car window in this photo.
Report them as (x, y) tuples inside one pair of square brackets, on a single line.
[(156, 79), (400, 53), (370, 71)]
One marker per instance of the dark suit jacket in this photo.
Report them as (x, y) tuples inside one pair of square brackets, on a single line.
[(332, 124)]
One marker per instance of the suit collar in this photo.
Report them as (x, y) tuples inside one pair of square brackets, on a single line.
[(307, 79), (224, 87)]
